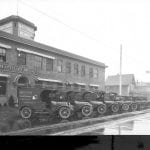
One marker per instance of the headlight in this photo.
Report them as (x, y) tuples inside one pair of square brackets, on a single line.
[(34, 97), (61, 97)]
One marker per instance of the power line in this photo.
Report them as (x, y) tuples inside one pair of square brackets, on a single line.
[(61, 22)]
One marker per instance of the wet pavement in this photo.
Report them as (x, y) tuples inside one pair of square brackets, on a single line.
[(139, 126)]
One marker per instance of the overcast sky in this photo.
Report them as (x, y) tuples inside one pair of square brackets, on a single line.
[(103, 26)]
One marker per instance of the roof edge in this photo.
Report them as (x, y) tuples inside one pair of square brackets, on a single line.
[(17, 18), (46, 48)]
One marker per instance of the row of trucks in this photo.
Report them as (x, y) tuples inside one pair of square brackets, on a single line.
[(38, 106)]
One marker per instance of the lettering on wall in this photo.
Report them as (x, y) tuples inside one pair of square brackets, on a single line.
[(16, 69)]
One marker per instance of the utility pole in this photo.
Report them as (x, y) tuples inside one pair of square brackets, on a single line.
[(120, 76), (17, 6)]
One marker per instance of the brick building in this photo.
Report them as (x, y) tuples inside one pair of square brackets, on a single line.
[(26, 62), (128, 84)]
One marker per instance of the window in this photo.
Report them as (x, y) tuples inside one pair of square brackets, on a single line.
[(25, 31), (76, 85), (82, 86), (68, 67), (82, 70), (68, 86), (94, 87), (2, 55), (21, 59), (38, 62), (35, 62), (60, 65), (49, 64), (76, 69), (3, 84), (91, 72), (95, 74), (23, 80), (37, 82), (7, 27)]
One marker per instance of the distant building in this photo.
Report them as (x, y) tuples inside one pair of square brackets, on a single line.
[(142, 89), (128, 84)]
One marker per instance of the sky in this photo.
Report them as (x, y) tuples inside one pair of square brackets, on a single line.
[(92, 28)]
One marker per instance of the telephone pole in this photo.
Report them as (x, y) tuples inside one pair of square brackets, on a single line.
[(17, 7), (120, 76)]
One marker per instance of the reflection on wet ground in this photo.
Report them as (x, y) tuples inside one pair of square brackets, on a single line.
[(139, 126)]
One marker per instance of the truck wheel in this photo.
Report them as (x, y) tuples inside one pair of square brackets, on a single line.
[(125, 107), (101, 109), (115, 108), (25, 112), (86, 111), (64, 112)]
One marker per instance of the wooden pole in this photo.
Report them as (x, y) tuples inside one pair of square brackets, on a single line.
[(120, 77), (17, 7)]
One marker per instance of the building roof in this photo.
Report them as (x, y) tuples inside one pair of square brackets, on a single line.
[(143, 84), (17, 18), (114, 80), (7, 36)]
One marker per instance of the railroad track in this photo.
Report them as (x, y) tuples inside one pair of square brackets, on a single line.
[(78, 127)]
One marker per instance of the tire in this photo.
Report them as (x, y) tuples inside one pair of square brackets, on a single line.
[(125, 107), (115, 108), (102, 109), (64, 112), (86, 110), (25, 112)]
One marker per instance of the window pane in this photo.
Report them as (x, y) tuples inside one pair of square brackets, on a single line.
[(60, 65), (49, 64), (68, 67), (95, 73), (91, 72), (76, 69), (82, 70), (38, 82), (38, 62), (21, 59), (35, 62), (2, 55)]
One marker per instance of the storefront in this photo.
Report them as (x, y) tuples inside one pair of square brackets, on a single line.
[(12, 77)]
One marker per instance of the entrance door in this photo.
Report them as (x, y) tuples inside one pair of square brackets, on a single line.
[(3, 90)]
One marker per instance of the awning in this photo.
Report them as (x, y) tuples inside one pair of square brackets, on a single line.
[(5, 46), (4, 75), (31, 52), (94, 85), (49, 80), (80, 83)]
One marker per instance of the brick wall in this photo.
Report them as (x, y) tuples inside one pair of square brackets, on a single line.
[(12, 59)]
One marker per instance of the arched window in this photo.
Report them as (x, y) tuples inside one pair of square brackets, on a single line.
[(22, 80)]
